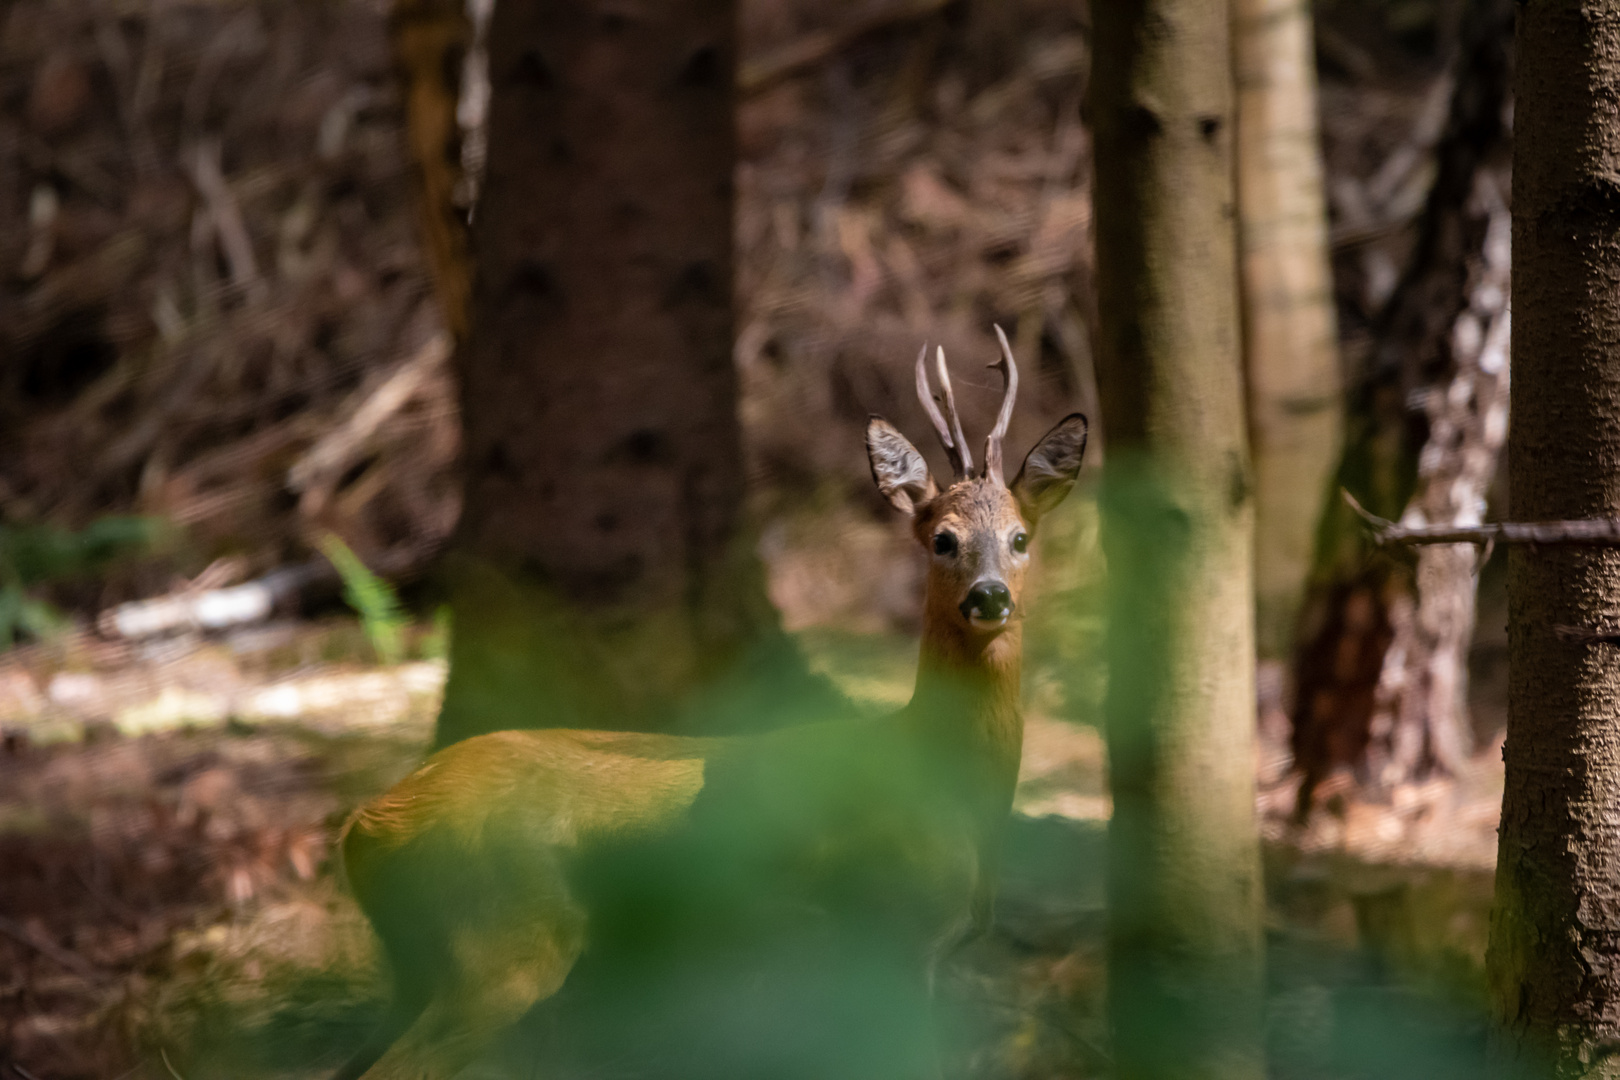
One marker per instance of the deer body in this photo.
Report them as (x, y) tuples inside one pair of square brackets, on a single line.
[(689, 878)]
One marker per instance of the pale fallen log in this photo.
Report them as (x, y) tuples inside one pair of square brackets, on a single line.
[(217, 609)]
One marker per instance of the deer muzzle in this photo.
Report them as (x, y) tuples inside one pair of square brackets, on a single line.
[(987, 604)]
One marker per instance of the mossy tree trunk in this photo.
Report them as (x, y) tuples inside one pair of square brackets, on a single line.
[(1185, 957), (1291, 353), (602, 573), (1554, 956)]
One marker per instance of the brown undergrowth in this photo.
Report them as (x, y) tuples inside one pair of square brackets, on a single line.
[(145, 881)]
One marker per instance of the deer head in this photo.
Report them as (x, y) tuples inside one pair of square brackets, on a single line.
[(977, 530)]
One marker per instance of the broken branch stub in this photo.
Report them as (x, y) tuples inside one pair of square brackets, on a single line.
[(1595, 532)]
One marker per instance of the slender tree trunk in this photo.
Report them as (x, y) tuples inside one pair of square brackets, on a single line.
[(1380, 669), (1554, 957), (431, 39), (601, 571), (1290, 337), (1184, 875)]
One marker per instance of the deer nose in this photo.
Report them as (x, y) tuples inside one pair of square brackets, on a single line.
[(987, 600)]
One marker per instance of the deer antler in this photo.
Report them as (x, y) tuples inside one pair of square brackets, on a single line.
[(950, 435), (992, 443)]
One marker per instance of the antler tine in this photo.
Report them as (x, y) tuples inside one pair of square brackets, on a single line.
[(964, 466), (925, 394), (992, 444)]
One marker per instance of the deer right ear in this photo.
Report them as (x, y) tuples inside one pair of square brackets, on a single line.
[(1051, 468), (900, 471)]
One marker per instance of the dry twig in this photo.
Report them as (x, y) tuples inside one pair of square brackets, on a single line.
[(49, 949), (336, 450), (1596, 532), (812, 49), (228, 223)]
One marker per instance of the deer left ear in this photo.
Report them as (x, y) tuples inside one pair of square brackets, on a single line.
[(899, 470), (1051, 468)]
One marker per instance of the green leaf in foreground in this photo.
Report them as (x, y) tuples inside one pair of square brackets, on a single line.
[(372, 598)]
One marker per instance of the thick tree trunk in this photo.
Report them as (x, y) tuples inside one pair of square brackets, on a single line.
[(601, 571), (1184, 874), (1380, 667), (1290, 339), (1554, 957)]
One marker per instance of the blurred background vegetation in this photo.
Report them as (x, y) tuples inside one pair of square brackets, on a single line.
[(227, 394)]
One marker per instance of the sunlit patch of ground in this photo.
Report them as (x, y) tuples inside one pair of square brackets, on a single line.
[(312, 676)]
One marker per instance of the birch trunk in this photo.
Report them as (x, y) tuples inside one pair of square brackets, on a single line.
[(1184, 875), (1381, 664)]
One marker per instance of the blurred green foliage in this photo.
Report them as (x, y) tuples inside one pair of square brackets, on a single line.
[(727, 950), (32, 556), (372, 598), (435, 644)]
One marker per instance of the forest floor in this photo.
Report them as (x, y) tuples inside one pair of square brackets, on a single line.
[(168, 905)]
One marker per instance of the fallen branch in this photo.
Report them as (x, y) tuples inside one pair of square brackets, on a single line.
[(1596, 532), (49, 949), (229, 226), (216, 609), (206, 609)]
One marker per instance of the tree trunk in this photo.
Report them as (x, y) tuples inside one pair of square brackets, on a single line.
[(1289, 335), (1554, 957), (601, 572), (1184, 875), (1425, 672), (1380, 670)]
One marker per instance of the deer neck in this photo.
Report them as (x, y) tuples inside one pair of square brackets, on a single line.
[(966, 708)]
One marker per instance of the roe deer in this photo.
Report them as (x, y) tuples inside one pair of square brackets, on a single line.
[(760, 862)]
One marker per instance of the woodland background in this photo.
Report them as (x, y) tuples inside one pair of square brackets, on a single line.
[(222, 348)]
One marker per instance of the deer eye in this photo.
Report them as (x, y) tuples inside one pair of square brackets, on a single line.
[(1020, 542), (945, 544)]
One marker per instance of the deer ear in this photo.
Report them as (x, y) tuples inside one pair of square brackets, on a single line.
[(1051, 468), (900, 471)]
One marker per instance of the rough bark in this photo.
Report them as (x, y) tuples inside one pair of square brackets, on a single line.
[(1290, 339), (1184, 880), (602, 572), (1554, 956), (1380, 666)]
